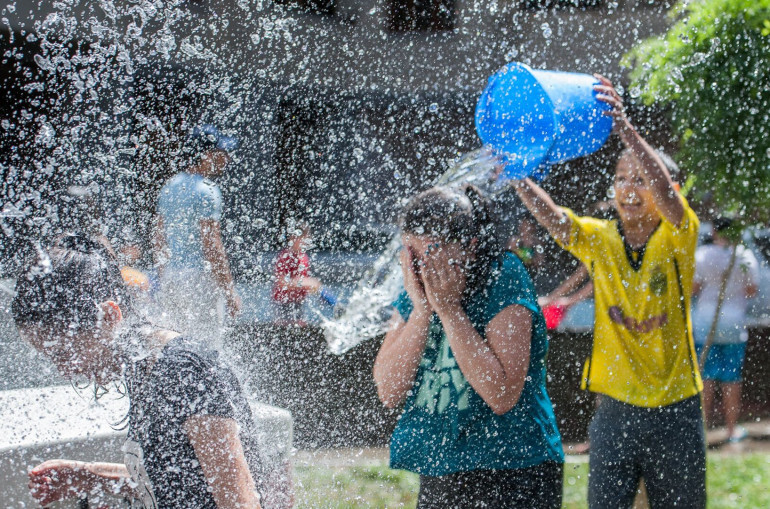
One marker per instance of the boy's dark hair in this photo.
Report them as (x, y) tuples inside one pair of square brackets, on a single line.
[(64, 284), (722, 223), (457, 215)]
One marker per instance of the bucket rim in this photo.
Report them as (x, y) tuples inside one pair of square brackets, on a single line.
[(481, 109)]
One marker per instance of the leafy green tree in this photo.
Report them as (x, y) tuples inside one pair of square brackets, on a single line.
[(711, 70)]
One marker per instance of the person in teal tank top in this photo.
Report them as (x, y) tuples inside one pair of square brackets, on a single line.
[(465, 359)]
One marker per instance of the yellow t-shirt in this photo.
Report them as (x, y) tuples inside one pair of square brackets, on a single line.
[(643, 352)]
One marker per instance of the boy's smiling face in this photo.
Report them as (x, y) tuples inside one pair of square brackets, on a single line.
[(633, 198)]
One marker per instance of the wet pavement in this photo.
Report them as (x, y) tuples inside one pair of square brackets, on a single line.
[(757, 439)]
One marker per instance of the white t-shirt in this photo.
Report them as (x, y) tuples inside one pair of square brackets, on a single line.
[(711, 261)]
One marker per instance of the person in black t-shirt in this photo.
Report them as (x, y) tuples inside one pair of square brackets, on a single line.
[(191, 441)]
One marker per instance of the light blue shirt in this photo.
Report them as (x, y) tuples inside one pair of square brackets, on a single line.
[(184, 201)]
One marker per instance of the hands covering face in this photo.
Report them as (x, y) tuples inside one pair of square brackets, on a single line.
[(434, 273)]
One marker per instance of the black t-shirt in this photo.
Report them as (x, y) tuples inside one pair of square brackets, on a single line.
[(185, 380)]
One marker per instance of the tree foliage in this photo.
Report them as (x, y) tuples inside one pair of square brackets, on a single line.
[(711, 70)]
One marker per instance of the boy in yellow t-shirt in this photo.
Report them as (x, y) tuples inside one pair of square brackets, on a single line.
[(649, 423)]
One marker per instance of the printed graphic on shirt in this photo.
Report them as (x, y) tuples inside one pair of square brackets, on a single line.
[(658, 281), (634, 325), (134, 460), (442, 380)]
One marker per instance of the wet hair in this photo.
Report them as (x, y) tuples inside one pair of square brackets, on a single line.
[(63, 284), (722, 223), (458, 214), (668, 161)]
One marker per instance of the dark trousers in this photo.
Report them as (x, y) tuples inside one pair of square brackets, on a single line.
[(538, 487), (664, 445)]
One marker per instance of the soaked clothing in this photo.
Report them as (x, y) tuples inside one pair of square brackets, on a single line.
[(643, 352), (446, 427), (184, 381), (190, 300), (711, 262), (290, 265), (184, 201), (724, 362), (666, 446), (538, 487)]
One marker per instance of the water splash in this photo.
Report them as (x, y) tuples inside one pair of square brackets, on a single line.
[(368, 310)]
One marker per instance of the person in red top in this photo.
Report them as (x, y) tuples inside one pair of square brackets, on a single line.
[(293, 282)]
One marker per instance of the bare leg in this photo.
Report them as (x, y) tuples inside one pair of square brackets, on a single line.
[(731, 398)]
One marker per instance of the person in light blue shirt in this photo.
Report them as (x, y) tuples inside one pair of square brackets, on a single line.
[(465, 359), (186, 200), (195, 277)]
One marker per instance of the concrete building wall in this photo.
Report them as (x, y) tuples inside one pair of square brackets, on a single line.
[(354, 49), (324, 104)]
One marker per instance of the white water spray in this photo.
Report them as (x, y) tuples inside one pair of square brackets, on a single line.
[(368, 310)]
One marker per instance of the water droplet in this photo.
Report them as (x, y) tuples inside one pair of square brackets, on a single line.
[(547, 32)]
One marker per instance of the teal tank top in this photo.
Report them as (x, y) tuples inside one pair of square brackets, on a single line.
[(446, 426)]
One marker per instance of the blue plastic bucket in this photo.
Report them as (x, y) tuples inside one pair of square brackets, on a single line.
[(536, 118)]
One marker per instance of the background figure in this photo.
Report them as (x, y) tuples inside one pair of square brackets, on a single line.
[(293, 282), (465, 358), (725, 356), (193, 268), (576, 288), (649, 423), (527, 246)]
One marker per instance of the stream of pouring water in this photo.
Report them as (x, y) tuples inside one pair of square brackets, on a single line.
[(367, 312)]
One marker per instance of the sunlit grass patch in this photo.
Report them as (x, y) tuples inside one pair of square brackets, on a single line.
[(354, 487), (575, 485), (741, 481)]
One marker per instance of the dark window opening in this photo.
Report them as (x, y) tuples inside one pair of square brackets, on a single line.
[(422, 15), (326, 7)]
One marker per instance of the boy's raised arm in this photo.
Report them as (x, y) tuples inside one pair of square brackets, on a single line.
[(654, 170), (547, 213)]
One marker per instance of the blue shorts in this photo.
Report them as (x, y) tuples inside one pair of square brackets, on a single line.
[(724, 363)]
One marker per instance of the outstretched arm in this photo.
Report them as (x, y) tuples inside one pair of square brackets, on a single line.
[(56, 480), (570, 285), (547, 213), (312, 284), (654, 170)]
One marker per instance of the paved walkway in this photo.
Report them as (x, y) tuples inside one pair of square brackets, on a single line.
[(758, 439)]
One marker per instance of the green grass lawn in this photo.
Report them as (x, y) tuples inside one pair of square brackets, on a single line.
[(733, 481)]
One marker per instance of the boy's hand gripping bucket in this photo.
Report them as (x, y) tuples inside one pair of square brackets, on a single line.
[(537, 118)]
